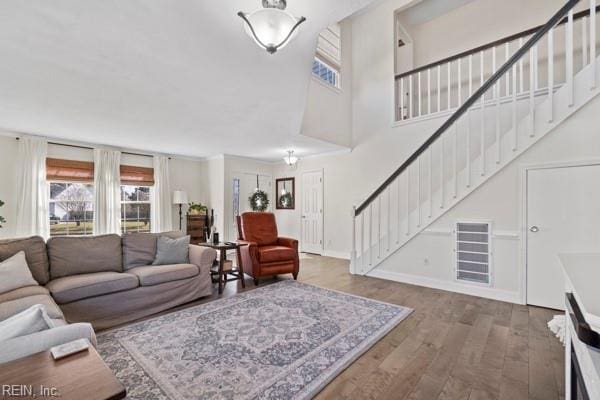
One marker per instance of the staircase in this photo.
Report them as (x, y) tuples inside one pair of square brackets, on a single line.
[(522, 100)]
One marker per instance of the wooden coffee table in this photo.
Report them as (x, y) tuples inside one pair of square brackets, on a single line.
[(221, 274), (79, 376)]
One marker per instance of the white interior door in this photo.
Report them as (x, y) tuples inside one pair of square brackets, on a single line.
[(563, 216), (312, 212)]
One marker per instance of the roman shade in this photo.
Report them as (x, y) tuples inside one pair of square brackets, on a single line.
[(137, 176), (83, 171), (69, 170), (329, 46)]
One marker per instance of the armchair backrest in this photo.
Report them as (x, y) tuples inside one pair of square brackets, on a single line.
[(259, 227)]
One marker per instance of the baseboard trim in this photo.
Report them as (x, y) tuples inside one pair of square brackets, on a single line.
[(480, 291), (336, 254)]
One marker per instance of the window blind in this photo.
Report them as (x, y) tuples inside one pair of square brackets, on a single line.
[(329, 45)]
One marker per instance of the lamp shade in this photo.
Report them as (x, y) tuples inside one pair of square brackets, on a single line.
[(180, 197), (273, 28)]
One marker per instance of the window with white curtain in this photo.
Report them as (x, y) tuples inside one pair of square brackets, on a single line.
[(328, 60)]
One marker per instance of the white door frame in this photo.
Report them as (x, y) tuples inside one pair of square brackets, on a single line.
[(524, 169), (321, 170)]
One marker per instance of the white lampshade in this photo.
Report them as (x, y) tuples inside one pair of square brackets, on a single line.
[(271, 27), (180, 197)]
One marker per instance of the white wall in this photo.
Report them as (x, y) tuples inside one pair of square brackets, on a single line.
[(185, 174), (8, 184), (380, 147), (234, 166), (428, 258), (475, 24), (216, 188), (328, 112)]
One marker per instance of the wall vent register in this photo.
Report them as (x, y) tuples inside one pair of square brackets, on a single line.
[(473, 252)]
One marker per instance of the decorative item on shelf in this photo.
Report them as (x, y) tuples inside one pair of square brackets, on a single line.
[(286, 193), (290, 159), (271, 27), (2, 220), (179, 198), (197, 209)]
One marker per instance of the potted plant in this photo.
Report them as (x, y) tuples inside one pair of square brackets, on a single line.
[(197, 209), (2, 220)]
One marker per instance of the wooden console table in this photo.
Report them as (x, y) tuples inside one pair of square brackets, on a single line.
[(220, 273), (79, 376)]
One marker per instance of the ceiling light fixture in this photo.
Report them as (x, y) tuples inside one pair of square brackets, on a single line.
[(290, 159), (271, 27)]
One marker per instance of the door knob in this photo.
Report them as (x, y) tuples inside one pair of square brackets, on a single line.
[(534, 229)]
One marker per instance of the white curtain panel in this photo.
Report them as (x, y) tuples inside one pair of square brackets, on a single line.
[(32, 190), (162, 219), (107, 192)]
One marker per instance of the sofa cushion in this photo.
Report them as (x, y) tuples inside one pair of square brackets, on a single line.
[(172, 251), (12, 307), (140, 248), (35, 253), (157, 274), (77, 287), (259, 227), (15, 273), (268, 254), (23, 292), (84, 255)]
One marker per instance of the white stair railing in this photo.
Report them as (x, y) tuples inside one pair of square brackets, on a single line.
[(415, 100), (505, 115)]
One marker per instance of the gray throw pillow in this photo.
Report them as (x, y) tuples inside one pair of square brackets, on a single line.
[(15, 273), (172, 251)]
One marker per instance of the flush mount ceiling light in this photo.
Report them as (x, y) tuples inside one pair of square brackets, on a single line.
[(290, 159), (271, 27)]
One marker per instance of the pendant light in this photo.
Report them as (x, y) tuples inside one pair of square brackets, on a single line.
[(271, 27), (290, 159)]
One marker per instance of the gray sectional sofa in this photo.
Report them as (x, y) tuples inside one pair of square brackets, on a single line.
[(104, 280)]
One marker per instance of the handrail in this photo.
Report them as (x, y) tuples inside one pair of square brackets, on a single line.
[(556, 18), (487, 46)]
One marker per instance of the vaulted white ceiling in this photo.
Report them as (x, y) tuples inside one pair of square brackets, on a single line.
[(170, 76)]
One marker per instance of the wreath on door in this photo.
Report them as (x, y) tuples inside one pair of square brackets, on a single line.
[(259, 201)]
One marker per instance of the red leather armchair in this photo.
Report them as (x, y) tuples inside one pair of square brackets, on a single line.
[(266, 254)]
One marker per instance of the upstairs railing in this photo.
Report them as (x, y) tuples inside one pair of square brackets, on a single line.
[(443, 85), (500, 119)]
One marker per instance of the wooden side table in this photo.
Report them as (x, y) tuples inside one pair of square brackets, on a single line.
[(79, 376), (220, 274)]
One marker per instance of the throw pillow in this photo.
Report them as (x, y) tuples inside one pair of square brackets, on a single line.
[(15, 273), (172, 251), (32, 320)]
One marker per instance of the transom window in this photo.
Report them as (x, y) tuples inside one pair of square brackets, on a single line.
[(135, 208), (326, 73), (71, 208)]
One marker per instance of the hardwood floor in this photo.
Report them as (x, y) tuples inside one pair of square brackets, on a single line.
[(452, 346)]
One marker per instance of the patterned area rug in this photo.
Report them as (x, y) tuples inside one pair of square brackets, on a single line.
[(282, 341)]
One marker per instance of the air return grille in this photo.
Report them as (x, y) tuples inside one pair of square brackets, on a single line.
[(473, 252)]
